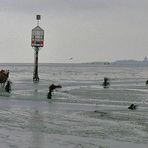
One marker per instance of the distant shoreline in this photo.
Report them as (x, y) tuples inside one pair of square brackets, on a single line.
[(95, 62)]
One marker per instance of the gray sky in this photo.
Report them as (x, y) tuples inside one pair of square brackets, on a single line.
[(87, 30)]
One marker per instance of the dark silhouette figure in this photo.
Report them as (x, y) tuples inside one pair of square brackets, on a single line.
[(52, 87), (146, 82), (4, 74), (8, 86), (106, 82), (132, 107)]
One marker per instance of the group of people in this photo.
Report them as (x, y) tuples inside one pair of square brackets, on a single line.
[(52, 87), (4, 74), (106, 84)]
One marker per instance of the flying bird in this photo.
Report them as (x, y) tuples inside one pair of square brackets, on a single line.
[(70, 58)]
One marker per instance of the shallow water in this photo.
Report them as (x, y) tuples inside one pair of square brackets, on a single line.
[(82, 114)]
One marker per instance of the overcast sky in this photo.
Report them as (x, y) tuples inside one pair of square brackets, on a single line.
[(86, 30)]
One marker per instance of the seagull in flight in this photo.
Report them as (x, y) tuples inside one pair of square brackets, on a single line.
[(70, 58)]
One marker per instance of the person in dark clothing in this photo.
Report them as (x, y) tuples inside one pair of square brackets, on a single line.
[(8, 86), (132, 107), (52, 87), (106, 82), (146, 82)]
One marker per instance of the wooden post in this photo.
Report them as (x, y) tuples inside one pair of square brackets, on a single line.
[(35, 74)]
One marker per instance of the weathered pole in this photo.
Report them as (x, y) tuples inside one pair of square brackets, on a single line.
[(35, 74)]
